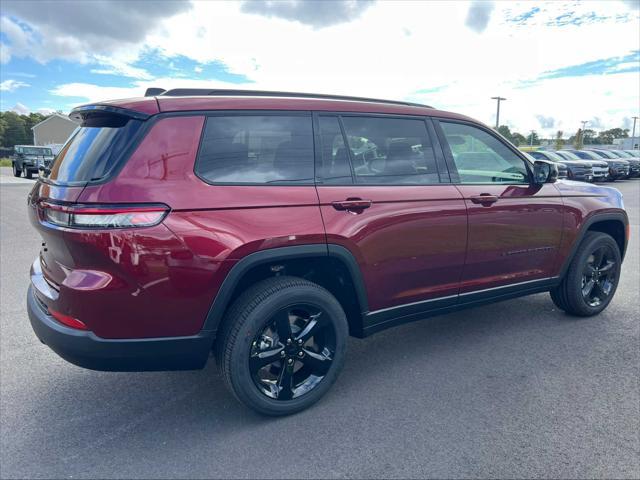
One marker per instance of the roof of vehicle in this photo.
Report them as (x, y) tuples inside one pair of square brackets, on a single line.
[(271, 101)]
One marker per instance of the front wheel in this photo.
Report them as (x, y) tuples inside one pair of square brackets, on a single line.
[(592, 278), (16, 172), (282, 345)]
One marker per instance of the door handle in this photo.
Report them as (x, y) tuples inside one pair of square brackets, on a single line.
[(352, 205), (485, 199)]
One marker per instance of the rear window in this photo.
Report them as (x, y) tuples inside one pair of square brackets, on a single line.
[(256, 149), (94, 149), (35, 151)]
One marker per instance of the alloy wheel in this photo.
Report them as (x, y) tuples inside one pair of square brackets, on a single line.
[(293, 353), (599, 276)]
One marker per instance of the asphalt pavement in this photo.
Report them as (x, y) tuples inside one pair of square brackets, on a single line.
[(514, 389)]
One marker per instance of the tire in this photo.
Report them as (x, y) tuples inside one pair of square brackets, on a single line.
[(27, 173), (252, 328), (601, 280), (16, 172)]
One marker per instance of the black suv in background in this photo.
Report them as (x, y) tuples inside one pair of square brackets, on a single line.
[(634, 163), (618, 168), (27, 159)]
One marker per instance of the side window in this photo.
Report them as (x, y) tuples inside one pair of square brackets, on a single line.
[(250, 149), (334, 158), (391, 151), (481, 157)]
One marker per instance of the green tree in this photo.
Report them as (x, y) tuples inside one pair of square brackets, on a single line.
[(577, 140), (14, 133), (589, 136), (558, 143), (608, 136), (532, 139), (518, 139), (505, 132)]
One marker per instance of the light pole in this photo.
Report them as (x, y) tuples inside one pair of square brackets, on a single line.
[(531, 138), (499, 99), (633, 133)]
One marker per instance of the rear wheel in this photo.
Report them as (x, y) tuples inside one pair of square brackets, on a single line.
[(282, 345), (16, 172), (27, 173), (592, 278)]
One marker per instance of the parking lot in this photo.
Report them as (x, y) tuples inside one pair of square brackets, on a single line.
[(514, 389)]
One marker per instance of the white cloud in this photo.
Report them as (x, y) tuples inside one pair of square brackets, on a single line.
[(12, 85), (21, 109), (373, 56)]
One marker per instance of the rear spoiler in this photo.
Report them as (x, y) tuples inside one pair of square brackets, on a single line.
[(82, 113), (152, 92)]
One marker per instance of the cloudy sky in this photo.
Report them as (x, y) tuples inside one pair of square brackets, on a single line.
[(557, 63)]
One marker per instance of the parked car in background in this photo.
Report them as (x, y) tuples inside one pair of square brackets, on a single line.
[(199, 220), (599, 169), (27, 159), (618, 168), (571, 169), (635, 153), (634, 163)]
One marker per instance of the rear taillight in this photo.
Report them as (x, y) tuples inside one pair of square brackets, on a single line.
[(68, 320), (102, 216)]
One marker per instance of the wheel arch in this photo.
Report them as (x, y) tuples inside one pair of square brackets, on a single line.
[(331, 266), (615, 224)]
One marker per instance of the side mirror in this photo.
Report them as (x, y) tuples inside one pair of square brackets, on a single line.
[(544, 172)]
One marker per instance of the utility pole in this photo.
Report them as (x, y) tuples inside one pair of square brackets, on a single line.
[(633, 134), (499, 99), (531, 138)]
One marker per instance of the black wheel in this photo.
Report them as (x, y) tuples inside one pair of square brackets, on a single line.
[(592, 278), (16, 171), (282, 345), (27, 173)]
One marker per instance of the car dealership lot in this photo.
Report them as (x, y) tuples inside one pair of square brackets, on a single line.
[(514, 389)]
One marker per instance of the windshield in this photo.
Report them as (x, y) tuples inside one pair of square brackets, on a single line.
[(587, 155), (622, 154), (602, 154), (553, 156), (93, 150), (36, 151), (568, 155)]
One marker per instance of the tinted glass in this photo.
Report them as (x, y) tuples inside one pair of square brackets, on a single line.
[(537, 155), (390, 151), (251, 149), (92, 151), (481, 157), (334, 157), (622, 154), (36, 151), (568, 155), (602, 154), (586, 155)]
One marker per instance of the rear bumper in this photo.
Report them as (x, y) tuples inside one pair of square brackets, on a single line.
[(87, 350)]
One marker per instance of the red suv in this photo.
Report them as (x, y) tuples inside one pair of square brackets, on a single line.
[(266, 227)]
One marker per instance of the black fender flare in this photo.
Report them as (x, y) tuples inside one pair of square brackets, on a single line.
[(595, 218), (225, 293)]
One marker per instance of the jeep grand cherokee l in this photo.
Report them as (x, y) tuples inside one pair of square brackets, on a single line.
[(267, 227)]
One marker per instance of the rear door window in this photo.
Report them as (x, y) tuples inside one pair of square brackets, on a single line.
[(390, 151), (257, 149), (94, 149)]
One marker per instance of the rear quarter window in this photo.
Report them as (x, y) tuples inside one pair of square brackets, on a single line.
[(257, 149), (94, 149)]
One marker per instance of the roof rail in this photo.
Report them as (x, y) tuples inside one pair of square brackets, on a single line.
[(181, 92)]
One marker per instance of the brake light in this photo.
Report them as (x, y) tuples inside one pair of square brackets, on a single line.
[(67, 320), (103, 216)]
